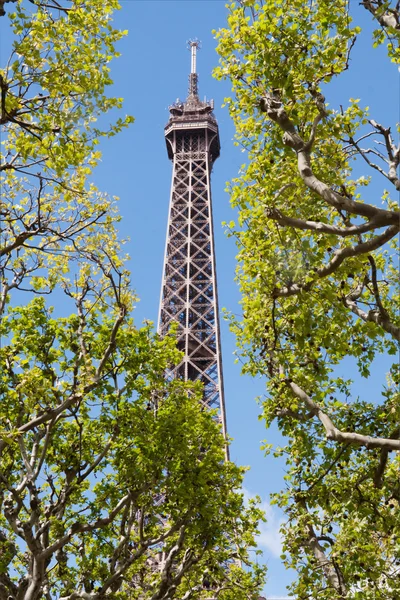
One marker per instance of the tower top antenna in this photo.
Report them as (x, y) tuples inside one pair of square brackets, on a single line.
[(193, 45)]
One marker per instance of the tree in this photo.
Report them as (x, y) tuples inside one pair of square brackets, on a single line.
[(318, 271), (112, 479)]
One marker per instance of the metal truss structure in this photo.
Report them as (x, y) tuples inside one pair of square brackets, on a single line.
[(189, 288)]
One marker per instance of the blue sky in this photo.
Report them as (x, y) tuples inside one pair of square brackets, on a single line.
[(151, 74)]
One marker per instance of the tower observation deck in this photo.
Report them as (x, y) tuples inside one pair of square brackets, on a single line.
[(189, 287)]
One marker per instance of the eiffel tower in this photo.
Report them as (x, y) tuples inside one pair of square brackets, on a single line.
[(189, 286)]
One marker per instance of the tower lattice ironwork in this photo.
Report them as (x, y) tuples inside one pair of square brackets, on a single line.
[(189, 288)]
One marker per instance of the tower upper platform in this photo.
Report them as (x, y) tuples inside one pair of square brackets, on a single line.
[(193, 114)]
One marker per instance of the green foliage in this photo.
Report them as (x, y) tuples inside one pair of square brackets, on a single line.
[(105, 477), (318, 275), (53, 91), (113, 481)]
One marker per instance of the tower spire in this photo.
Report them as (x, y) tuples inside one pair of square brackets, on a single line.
[(193, 45), (189, 286)]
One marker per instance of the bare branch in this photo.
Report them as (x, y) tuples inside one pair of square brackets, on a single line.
[(382, 310), (277, 215), (333, 433), (393, 154), (379, 471), (322, 113), (53, 5), (85, 527), (373, 316), (111, 344), (387, 19), (19, 241), (330, 570), (45, 447), (96, 462), (338, 257)]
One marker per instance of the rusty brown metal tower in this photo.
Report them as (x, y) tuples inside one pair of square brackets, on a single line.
[(189, 287)]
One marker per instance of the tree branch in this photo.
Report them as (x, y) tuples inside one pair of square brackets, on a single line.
[(373, 316), (380, 469), (111, 344), (279, 217), (333, 433), (338, 257), (272, 105), (331, 571), (392, 152), (85, 527), (386, 19)]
